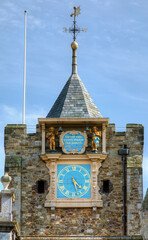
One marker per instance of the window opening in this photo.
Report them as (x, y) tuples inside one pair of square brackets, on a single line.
[(106, 186), (41, 186)]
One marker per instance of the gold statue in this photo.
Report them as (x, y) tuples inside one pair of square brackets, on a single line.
[(51, 138), (95, 138)]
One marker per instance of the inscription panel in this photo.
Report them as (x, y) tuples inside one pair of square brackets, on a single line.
[(73, 142)]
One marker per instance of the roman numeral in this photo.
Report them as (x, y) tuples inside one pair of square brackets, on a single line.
[(60, 181), (73, 195), (86, 181), (84, 174), (74, 168), (62, 188), (62, 175)]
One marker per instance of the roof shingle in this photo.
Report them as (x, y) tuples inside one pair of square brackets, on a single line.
[(74, 101)]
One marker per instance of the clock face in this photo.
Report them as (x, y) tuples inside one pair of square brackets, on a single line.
[(73, 181)]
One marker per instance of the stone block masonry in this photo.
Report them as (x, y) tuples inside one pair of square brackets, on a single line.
[(26, 168)]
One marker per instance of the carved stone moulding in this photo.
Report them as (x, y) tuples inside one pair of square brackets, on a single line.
[(53, 160), (71, 203)]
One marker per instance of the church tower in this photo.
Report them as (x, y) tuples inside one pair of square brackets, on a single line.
[(76, 177)]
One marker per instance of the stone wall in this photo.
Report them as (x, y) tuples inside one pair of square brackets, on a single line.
[(145, 225), (145, 216), (26, 168), (135, 141), (15, 141)]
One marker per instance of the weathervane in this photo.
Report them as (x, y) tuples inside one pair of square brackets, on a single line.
[(75, 29)]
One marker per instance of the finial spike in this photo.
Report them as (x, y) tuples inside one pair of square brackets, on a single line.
[(74, 47)]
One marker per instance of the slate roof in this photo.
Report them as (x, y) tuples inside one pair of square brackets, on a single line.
[(74, 101)]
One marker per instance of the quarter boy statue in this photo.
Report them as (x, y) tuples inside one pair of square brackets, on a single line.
[(95, 138), (51, 138)]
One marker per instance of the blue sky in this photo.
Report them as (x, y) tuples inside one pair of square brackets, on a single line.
[(112, 60)]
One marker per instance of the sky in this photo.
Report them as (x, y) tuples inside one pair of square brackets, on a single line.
[(112, 60)]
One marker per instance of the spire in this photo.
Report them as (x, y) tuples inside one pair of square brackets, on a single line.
[(74, 101)]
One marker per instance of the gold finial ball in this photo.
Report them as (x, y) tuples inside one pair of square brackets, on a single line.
[(74, 45)]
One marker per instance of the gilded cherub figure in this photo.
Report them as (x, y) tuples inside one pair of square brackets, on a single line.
[(51, 138), (95, 138)]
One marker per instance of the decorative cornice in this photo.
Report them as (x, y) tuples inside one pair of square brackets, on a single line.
[(76, 121)]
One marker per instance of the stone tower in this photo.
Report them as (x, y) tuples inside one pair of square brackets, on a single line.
[(76, 177), (145, 216)]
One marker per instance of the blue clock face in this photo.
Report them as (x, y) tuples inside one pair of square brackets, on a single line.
[(73, 181)]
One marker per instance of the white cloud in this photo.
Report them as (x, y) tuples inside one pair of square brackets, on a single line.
[(132, 97), (11, 6), (10, 14), (34, 22), (14, 116), (11, 114), (13, 14)]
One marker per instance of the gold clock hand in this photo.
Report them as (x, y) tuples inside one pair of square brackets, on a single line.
[(78, 185), (75, 184)]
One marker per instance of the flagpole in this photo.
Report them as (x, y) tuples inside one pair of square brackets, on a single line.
[(24, 80)]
